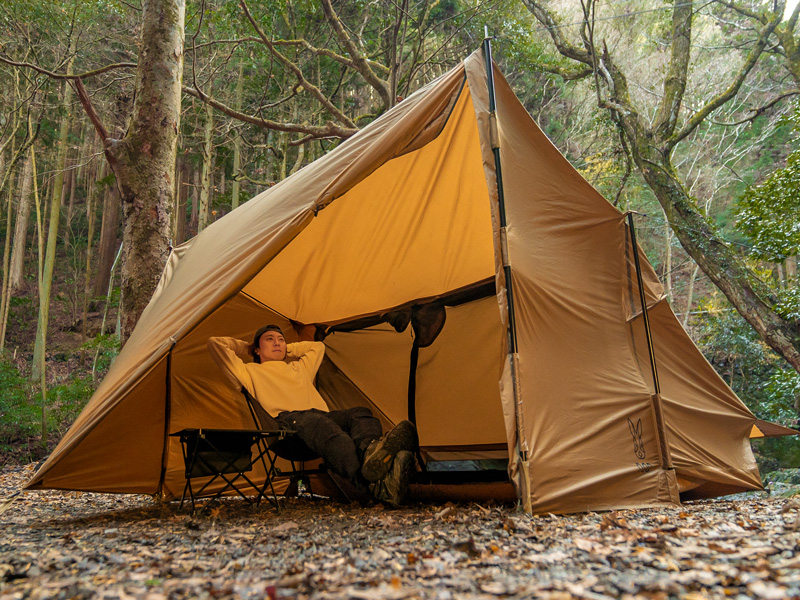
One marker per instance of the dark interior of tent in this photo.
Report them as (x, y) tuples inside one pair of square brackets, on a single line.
[(436, 361)]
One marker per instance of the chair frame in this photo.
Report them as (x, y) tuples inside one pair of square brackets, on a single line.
[(208, 453), (300, 453)]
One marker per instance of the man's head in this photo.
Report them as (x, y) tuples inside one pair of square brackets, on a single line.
[(269, 344)]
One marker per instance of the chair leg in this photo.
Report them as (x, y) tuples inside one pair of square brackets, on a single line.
[(185, 487)]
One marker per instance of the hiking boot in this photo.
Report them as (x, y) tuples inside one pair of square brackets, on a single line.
[(393, 489), (379, 454)]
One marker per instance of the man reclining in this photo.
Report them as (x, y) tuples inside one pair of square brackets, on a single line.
[(281, 379)]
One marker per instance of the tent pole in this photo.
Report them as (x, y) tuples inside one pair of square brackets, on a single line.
[(412, 383), (666, 460), (167, 414), (522, 443)]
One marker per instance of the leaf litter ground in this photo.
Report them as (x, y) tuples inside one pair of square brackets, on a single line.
[(81, 545)]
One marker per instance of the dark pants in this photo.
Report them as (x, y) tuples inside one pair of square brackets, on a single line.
[(340, 437)]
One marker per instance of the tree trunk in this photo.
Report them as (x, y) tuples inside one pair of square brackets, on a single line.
[(84, 170), (5, 301), (7, 186), (107, 247), (237, 143), (38, 363), (690, 296), (781, 275), (195, 200), (284, 145), (144, 161), (59, 190), (87, 278), (208, 169), (301, 150), (15, 279), (183, 194), (724, 267), (668, 262), (73, 179)]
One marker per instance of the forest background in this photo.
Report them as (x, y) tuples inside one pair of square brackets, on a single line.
[(686, 113)]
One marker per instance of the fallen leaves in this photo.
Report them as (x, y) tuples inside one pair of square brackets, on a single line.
[(90, 545)]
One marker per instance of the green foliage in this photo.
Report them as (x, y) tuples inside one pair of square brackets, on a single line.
[(783, 387), (18, 417), (21, 411), (769, 213), (65, 402), (788, 305), (106, 348), (766, 383)]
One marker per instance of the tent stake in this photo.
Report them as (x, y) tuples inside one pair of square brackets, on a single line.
[(522, 443), (666, 460)]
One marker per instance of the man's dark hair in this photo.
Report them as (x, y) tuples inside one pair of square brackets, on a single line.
[(257, 338)]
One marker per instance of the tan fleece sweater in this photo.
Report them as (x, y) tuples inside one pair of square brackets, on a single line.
[(277, 385)]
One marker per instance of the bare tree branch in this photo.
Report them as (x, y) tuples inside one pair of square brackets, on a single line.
[(743, 10), (360, 63), (564, 47), (315, 91), (90, 111), (330, 130), (564, 72), (760, 110), (733, 88), (54, 75)]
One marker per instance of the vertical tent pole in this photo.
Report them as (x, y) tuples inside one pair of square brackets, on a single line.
[(167, 415), (663, 447), (522, 444)]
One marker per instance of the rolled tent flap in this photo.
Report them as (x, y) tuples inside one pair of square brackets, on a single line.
[(395, 234)]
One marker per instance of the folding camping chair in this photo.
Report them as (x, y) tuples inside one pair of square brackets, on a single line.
[(227, 455), (290, 447)]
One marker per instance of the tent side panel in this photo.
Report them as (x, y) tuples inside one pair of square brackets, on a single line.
[(377, 361), (708, 426), (122, 453), (458, 400), (585, 410)]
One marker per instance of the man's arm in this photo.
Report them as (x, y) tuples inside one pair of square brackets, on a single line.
[(308, 354), (226, 352)]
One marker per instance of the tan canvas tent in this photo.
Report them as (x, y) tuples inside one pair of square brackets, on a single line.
[(393, 246)]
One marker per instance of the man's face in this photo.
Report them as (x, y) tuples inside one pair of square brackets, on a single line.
[(271, 346)]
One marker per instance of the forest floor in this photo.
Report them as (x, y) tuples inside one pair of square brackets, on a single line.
[(81, 545)]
